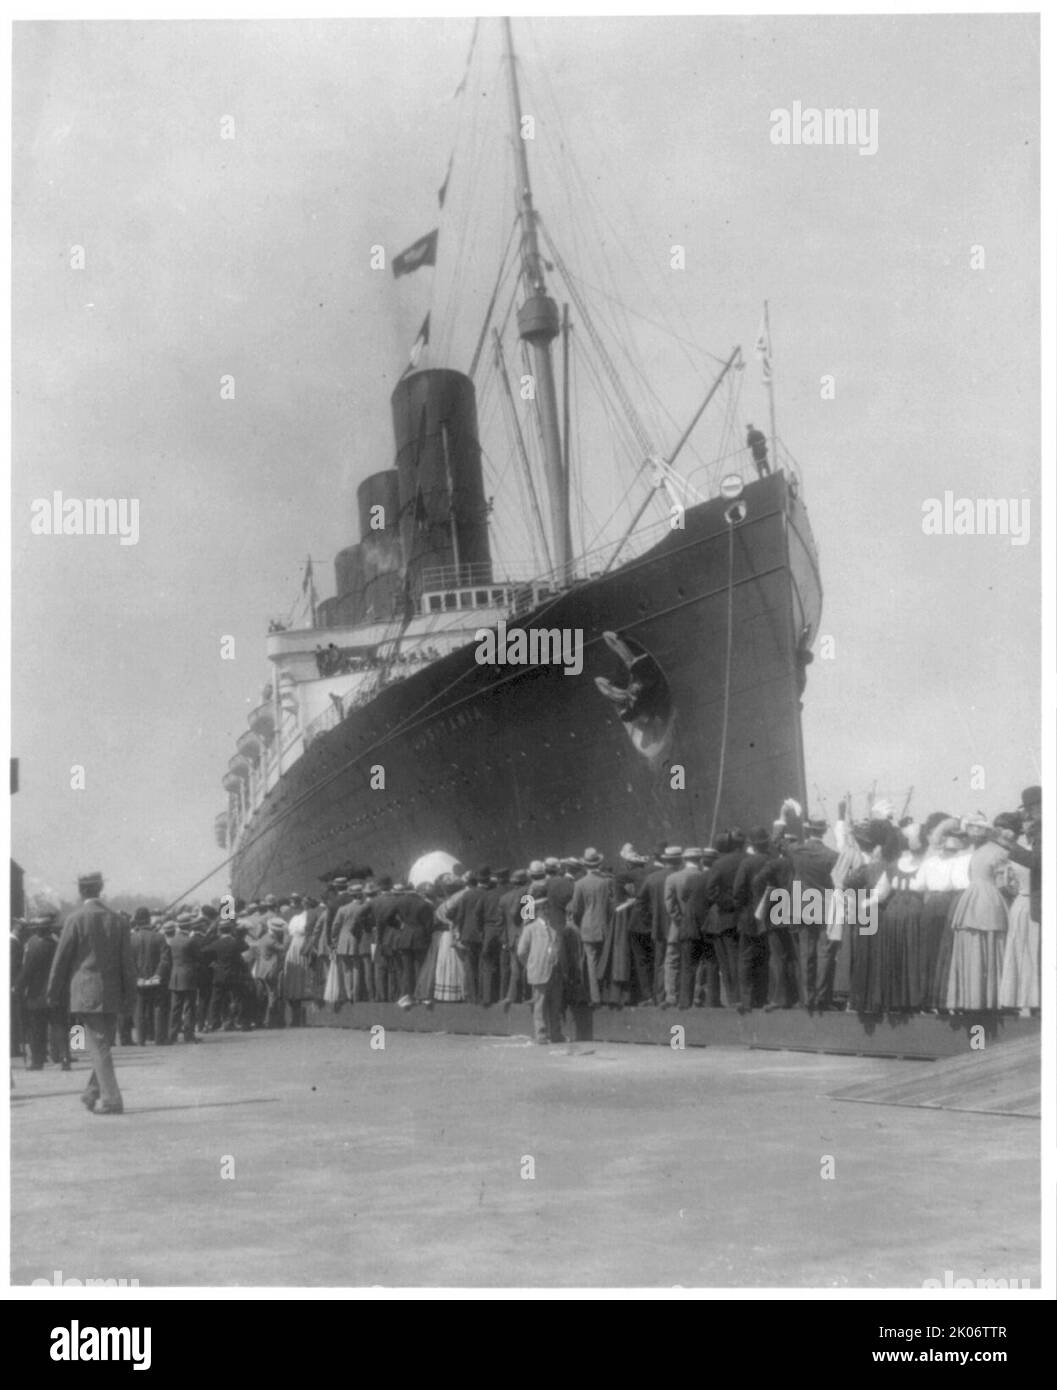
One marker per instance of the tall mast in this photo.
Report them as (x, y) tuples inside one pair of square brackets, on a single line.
[(538, 325)]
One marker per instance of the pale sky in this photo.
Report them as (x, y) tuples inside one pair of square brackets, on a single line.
[(250, 257)]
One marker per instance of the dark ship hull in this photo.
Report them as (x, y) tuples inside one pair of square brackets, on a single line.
[(504, 764)]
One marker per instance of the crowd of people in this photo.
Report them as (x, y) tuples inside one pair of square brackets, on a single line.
[(941, 916)]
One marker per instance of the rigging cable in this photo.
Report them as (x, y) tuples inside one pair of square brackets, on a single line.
[(726, 681)]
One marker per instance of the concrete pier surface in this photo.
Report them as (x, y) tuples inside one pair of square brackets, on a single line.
[(309, 1157)]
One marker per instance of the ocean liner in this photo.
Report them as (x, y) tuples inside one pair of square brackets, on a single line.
[(385, 733)]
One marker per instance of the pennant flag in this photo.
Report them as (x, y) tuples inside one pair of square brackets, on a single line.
[(422, 252), (421, 342), (442, 192), (762, 349)]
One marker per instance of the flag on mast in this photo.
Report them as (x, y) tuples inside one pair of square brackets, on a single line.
[(419, 253), (762, 349)]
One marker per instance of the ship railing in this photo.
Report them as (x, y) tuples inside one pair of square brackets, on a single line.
[(329, 719)]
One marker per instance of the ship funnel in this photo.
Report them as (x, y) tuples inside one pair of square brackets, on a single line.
[(443, 515), (369, 575)]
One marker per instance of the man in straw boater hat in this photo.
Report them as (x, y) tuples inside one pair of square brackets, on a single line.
[(93, 975)]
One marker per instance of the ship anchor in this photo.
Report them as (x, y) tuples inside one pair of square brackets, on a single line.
[(644, 703)]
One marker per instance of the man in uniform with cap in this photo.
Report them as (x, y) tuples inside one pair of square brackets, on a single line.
[(93, 975)]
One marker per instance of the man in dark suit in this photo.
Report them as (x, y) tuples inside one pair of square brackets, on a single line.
[(345, 936), (752, 929), (813, 864), (44, 1026), (147, 947), (591, 910), (412, 940), (721, 927), (94, 976), (385, 910), (654, 919), (183, 973), (679, 891)]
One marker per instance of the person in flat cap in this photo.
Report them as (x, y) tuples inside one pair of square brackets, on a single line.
[(93, 977)]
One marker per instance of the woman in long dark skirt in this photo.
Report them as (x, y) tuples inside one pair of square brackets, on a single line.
[(881, 841), (899, 945)]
